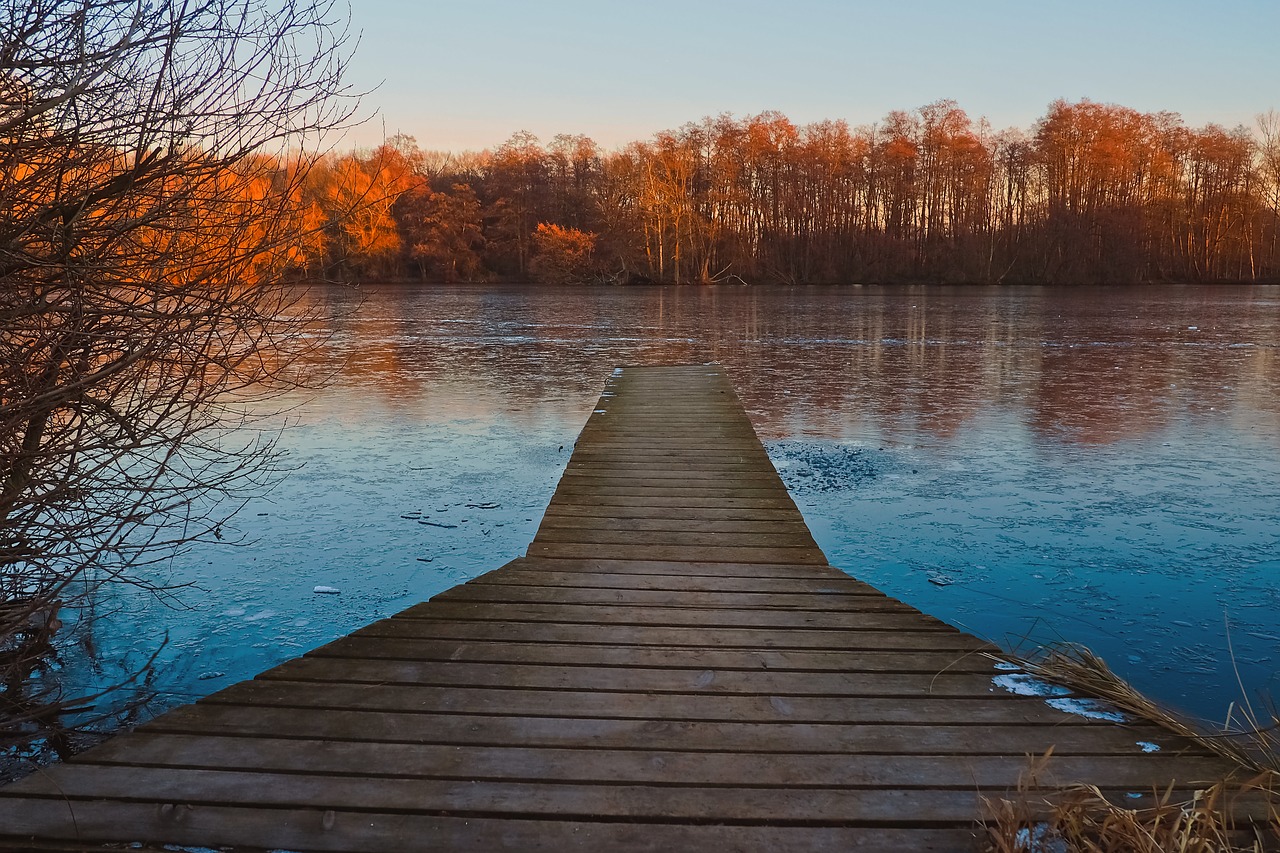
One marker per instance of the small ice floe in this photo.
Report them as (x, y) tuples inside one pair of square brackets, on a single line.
[(327, 590), (1022, 684), (599, 411), (939, 579), (206, 676), (1193, 328), (1039, 838), (1093, 709), (485, 505), (233, 611), (182, 848), (1005, 666), (617, 371), (260, 615), (1148, 746), (1134, 795)]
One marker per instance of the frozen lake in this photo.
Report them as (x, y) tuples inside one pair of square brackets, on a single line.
[(1094, 465)]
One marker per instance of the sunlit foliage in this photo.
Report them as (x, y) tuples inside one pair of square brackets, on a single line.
[(1092, 193)]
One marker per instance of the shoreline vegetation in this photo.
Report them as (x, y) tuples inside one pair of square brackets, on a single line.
[(1082, 818), (1092, 193)]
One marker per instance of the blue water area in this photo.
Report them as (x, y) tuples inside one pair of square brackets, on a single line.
[(1086, 465)]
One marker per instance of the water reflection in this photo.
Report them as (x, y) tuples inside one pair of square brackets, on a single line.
[(1097, 465), (1088, 366)]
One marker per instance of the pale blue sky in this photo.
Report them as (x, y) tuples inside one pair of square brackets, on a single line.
[(469, 73)]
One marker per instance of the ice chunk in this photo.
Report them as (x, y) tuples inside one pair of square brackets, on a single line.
[(326, 590)]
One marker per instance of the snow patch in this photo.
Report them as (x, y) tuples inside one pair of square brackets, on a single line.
[(1093, 709), (1148, 746), (1022, 684), (1039, 838)]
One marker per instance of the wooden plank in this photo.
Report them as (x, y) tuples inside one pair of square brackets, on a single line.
[(1080, 737), (671, 465), (356, 646), (625, 510), (706, 706), (342, 831), (613, 679), (683, 474), (212, 787), (654, 766), (599, 614), (832, 602), (666, 636), (686, 502), (698, 539), (675, 522), (588, 579), (687, 568), (756, 805), (632, 487), (693, 553)]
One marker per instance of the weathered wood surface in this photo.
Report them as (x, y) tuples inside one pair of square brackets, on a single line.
[(673, 666)]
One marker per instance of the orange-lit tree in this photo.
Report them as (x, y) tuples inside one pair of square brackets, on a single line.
[(563, 255), (147, 212)]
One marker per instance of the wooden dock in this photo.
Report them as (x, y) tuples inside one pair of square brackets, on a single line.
[(673, 666)]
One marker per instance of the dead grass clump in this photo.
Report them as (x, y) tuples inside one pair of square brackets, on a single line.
[(1250, 736), (1083, 820)]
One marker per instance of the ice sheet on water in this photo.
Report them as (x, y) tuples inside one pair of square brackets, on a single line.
[(821, 466)]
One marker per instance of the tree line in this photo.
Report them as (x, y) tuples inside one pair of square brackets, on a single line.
[(1092, 193)]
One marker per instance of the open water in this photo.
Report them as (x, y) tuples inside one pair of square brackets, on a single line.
[(1099, 466)]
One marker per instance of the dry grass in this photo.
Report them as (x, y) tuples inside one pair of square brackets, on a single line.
[(1250, 736), (1082, 818)]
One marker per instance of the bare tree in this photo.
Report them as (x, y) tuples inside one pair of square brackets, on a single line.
[(148, 209), (1269, 174)]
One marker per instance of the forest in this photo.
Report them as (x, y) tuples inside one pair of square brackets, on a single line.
[(1093, 193)]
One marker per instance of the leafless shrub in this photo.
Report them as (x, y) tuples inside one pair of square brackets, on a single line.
[(149, 207)]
